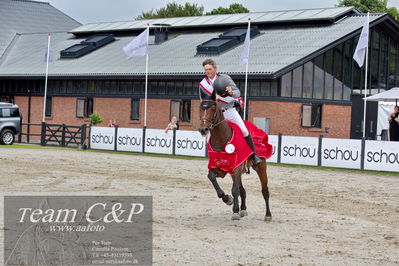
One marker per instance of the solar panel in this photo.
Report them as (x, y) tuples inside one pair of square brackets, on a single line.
[(321, 14)]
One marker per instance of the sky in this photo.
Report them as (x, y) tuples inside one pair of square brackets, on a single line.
[(90, 11)]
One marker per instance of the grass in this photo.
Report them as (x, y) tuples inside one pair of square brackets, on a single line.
[(31, 146)]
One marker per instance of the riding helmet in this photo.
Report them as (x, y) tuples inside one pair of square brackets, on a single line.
[(220, 84)]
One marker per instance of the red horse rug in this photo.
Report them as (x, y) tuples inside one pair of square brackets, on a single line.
[(237, 150)]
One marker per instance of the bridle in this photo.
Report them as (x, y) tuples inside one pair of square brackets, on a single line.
[(211, 122)]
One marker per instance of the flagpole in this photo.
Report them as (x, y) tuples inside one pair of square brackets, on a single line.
[(246, 78), (45, 83), (365, 84), (146, 81), (245, 91)]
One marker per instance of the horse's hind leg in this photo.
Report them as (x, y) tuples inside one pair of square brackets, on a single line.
[(226, 198), (243, 195), (261, 170)]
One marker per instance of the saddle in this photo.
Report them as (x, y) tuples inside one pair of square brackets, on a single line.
[(237, 150)]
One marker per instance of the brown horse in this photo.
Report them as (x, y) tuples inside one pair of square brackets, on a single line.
[(212, 120)]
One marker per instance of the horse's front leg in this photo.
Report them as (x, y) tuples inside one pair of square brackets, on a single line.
[(212, 177), (243, 195), (235, 191)]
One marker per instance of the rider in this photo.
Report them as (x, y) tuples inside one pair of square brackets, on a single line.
[(228, 93)]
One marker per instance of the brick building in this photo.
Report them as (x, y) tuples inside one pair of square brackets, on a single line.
[(302, 78)]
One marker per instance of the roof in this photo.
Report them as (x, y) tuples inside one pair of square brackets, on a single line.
[(22, 16), (272, 52), (219, 20)]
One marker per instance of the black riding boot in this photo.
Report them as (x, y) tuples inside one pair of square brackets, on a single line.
[(255, 157)]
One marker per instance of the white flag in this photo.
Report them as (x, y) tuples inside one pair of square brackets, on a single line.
[(139, 45), (50, 56), (48, 50), (245, 52), (362, 44)]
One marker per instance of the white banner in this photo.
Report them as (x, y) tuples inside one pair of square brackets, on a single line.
[(273, 140), (381, 155), (344, 153), (299, 150), (190, 143), (159, 141), (130, 139), (102, 138)]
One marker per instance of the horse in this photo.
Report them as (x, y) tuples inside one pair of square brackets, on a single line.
[(212, 121)]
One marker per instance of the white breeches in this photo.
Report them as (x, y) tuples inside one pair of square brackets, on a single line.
[(233, 116)]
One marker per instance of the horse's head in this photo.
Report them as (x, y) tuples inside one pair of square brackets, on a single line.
[(210, 115)]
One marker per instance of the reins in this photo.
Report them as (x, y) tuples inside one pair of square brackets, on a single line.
[(212, 124)]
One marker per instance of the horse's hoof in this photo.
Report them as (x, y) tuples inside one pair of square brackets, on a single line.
[(229, 200), (235, 216), (268, 218), (243, 213)]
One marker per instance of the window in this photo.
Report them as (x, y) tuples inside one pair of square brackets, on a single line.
[(318, 77), (84, 107), (170, 88), (49, 103), (274, 88), (91, 86), (311, 115), (189, 88), (153, 87), (286, 85), (9, 112), (2, 86), (392, 64), (338, 77), (161, 87), (179, 87), (113, 87), (297, 82), (181, 109), (138, 87), (383, 68), (175, 109), (347, 70), (265, 88), (307, 80), (3, 99), (374, 58), (329, 78), (253, 87), (185, 111), (262, 123), (135, 112)]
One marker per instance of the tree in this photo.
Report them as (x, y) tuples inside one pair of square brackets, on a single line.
[(95, 118), (232, 9), (173, 10), (376, 6)]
